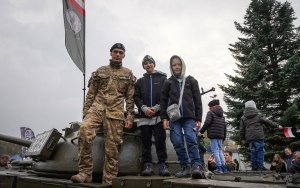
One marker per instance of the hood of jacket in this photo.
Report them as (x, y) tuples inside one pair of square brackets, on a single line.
[(218, 111), (250, 112), (183, 67)]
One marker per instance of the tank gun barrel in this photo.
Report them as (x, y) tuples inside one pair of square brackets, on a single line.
[(204, 92), (15, 140)]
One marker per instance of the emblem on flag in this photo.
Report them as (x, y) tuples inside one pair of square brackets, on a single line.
[(74, 21), (288, 132)]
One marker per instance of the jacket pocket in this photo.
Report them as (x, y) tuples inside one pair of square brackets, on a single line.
[(104, 79), (123, 81)]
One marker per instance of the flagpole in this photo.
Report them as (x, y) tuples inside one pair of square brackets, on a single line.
[(74, 20), (83, 89)]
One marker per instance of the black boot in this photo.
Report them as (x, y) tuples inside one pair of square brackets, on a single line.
[(254, 168), (163, 170), (262, 168), (185, 172), (148, 169), (198, 172)]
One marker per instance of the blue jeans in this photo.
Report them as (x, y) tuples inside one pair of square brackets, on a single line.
[(216, 148), (257, 153), (180, 130)]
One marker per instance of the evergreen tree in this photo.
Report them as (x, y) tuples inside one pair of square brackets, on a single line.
[(269, 41), (291, 118)]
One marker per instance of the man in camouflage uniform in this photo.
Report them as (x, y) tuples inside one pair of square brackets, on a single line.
[(104, 106)]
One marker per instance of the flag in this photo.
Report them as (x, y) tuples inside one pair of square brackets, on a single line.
[(27, 134), (74, 19), (288, 132)]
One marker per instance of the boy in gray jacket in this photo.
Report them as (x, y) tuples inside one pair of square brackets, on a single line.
[(251, 130)]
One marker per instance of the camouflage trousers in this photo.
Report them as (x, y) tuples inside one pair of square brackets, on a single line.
[(113, 130)]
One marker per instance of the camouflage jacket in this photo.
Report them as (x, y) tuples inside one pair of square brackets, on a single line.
[(231, 166), (108, 88)]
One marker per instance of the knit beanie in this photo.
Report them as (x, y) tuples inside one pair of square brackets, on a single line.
[(148, 58), (117, 45), (214, 103), (250, 104)]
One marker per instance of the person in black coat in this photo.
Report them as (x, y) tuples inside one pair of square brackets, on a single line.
[(215, 126), (147, 99), (278, 165)]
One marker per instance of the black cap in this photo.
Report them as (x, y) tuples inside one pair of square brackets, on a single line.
[(214, 102), (148, 58), (118, 45)]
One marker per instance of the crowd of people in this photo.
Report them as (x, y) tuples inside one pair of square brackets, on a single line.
[(172, 104)]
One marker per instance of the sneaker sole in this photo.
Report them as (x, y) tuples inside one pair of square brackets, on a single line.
[(199, 176), (74, 180), (185, 176), (164, 174), (146, 174)]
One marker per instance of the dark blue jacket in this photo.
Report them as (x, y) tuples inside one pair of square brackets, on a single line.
[(147, 90)]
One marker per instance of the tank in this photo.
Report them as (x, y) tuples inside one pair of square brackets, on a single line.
[(55, 160), (56, 155)]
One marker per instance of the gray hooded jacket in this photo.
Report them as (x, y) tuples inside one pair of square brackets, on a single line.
[(251, 125)]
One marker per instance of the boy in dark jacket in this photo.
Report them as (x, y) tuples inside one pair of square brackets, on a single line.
[(191, 115), (251, 130), (216, 132), (147, 98)]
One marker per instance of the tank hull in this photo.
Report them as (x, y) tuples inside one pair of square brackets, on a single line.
[(25, 179), (63, 162), (64, 159)]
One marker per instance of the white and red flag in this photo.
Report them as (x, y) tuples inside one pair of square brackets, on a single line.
[(74, 19), (288, 132)]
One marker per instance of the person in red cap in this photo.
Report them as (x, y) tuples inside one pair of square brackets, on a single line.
[(215, 126)]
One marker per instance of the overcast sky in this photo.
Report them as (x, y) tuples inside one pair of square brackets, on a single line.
[(40, 86)]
